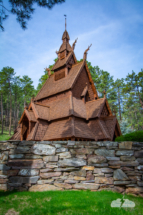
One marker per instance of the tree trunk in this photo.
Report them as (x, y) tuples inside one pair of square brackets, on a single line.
[(10, 112), (17, 114), (7, 113), (1, 115), (15, 124), (119, 102)]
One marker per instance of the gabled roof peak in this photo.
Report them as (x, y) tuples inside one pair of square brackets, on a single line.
[(65, 35)]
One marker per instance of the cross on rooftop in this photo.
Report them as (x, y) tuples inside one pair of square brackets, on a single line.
[(65, 21)]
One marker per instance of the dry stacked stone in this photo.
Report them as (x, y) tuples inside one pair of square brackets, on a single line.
[(77, 165)]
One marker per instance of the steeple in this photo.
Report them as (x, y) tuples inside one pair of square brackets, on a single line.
[(65, 47), (65, 34)]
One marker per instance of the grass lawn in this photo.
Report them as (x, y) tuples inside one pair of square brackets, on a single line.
[(5, 136), (65, 202)]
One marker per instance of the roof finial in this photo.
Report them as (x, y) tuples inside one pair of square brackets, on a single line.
[(65, 21), (49, 71), (73, 45), (85, 53)]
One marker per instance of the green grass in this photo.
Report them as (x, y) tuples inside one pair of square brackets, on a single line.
[(133, 136), (5, 136), (66, 202)]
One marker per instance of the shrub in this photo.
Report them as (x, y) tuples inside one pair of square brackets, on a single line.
[(133, 136)]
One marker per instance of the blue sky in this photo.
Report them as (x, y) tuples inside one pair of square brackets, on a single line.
[(114, 27)]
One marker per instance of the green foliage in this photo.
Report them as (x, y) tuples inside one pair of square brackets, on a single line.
[(66, 202), (124, 126), (15, 92), (5, 136), (27, 88), (133, 100), (23, 9), (133, 136)]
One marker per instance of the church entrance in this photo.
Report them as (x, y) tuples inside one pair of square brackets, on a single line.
[(25, 127)]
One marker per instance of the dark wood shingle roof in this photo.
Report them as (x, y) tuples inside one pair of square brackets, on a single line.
[(52, 87)]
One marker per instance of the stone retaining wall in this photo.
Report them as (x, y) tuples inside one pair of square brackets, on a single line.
[(58, 165)]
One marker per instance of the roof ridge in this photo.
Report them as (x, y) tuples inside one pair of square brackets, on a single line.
[(76, 64), (91, 80), (41, 88)]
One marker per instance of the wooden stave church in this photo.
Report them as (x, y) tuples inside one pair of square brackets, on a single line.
[(68, 107)]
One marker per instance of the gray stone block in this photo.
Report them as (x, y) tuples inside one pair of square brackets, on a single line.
[(14, 156), (96, 159), (72, 162), (28, 172), (125, 152), (62, 149), (119, 175), (4, 167), (43, 149), (50, 158), (105, 152), (139, 154)]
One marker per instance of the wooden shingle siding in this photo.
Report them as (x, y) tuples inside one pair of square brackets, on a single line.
[(79, 108), (59, 75), (110, 124), (65, 46), (41, 130), (52, 87), (42, 111), (80, 85), (30, 136), (59, 129), (94, 108), (104, 129), (82, 130), (62, 54), (59, 108), (62, 62), (105, 111), (55, 97), (96, 129)]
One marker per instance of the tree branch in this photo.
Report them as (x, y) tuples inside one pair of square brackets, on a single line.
[(4, 7)]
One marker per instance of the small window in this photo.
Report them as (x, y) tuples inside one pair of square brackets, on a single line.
[(59, 76)]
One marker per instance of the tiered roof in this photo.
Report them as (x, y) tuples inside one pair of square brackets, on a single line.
[(68, 116)]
